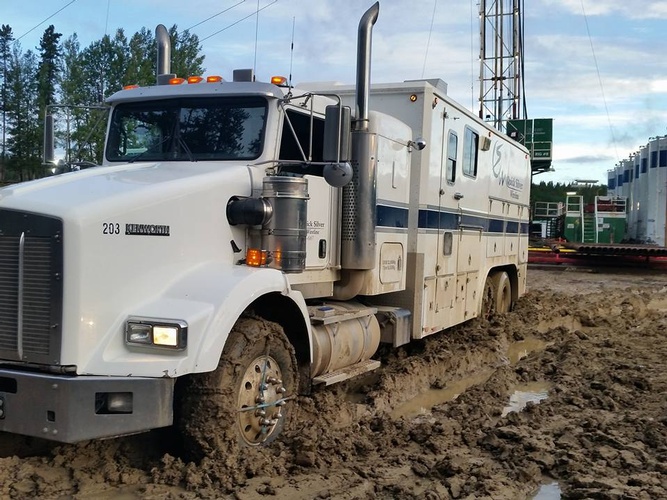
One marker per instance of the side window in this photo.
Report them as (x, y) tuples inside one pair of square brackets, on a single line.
[(470, 148), (290, 149), (452, 154)]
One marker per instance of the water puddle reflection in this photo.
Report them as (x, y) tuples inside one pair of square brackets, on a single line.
[(550, 491), (533, 392), (521, 349), (422, 404)]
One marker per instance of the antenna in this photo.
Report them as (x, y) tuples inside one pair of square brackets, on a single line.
[(254, 64), (291, 55)]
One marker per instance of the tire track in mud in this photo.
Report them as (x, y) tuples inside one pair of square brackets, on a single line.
[(601, 432)]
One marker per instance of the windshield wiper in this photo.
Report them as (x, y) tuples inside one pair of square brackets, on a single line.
[(185, 147)]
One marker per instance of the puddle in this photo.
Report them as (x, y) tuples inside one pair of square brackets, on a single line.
[(658, 305), (528, 393), (519, 350), (550, 491), (423, 403)]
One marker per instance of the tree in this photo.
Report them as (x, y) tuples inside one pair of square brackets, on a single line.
[(23, 125), (6, 38), (185, 58), (49, 67)]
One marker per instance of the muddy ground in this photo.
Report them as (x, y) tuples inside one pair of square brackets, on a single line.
[(441, 419)]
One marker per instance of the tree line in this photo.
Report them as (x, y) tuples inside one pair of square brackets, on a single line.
[(72, 82)]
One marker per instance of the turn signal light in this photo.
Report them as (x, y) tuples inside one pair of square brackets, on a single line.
[(255, 257)]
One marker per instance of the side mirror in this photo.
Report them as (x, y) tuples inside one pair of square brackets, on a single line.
[(338, 174), (337, 130), (419, 143)]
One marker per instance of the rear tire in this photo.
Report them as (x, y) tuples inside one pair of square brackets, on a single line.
[(246, 401), (503, 292), (489, 298)]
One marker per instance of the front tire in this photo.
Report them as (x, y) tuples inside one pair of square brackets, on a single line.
[(246, 401)]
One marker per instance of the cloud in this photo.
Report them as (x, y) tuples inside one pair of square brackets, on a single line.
[(637, 9), (581, 160)]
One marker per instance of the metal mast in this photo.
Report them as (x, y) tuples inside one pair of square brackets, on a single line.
[(500, 61)]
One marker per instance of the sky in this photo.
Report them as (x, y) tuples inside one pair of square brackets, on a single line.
[(597, 67)]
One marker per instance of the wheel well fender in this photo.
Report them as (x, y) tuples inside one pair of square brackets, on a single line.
[(289, 314), (512, 273)]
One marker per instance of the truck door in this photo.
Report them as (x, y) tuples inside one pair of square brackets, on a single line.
[(471, 227), (446, 246)]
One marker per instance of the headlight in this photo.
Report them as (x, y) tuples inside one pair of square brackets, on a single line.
[(157, 332)]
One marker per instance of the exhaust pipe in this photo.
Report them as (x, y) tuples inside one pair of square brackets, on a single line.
[(49, 145), (163, 55), (359, 196), (364, 64)]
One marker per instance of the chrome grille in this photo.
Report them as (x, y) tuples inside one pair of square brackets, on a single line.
[(30, 287)]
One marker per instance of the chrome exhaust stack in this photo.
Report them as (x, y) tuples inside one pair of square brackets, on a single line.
[(163, 55), (359, 196)]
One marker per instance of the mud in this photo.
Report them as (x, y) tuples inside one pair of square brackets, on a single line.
[(589, 349)]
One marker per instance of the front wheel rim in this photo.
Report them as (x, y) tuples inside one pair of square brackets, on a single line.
[(260, 401)]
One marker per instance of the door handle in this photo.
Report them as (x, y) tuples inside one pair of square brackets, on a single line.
[(458, 196)]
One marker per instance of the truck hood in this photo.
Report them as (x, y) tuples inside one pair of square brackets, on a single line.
[(87, 193)]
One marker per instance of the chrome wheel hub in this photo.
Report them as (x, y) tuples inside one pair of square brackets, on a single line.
[(261, 400)]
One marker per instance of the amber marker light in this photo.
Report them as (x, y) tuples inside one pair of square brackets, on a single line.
[(195, 79), (176, 81), (255, 257), (279, 80), (129, 87), (213, 79), (413, 98)]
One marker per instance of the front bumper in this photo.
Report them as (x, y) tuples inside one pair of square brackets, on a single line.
[(68, 409)]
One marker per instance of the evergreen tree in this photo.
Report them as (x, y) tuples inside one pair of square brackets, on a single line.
[(6, 38), (23, 125), (49, 67)]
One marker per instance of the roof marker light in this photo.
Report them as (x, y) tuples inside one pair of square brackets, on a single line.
[(278, 80), (133, 86), (213, 79), (195, 79), (176, 81)]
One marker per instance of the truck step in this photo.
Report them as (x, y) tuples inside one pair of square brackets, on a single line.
[(347, 372)]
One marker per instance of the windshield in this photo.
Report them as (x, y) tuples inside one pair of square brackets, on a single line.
[(188, 129)]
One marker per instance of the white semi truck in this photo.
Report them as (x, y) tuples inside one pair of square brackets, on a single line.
[(243, 241)]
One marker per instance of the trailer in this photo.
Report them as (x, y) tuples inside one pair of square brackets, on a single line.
[(244, 241)]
